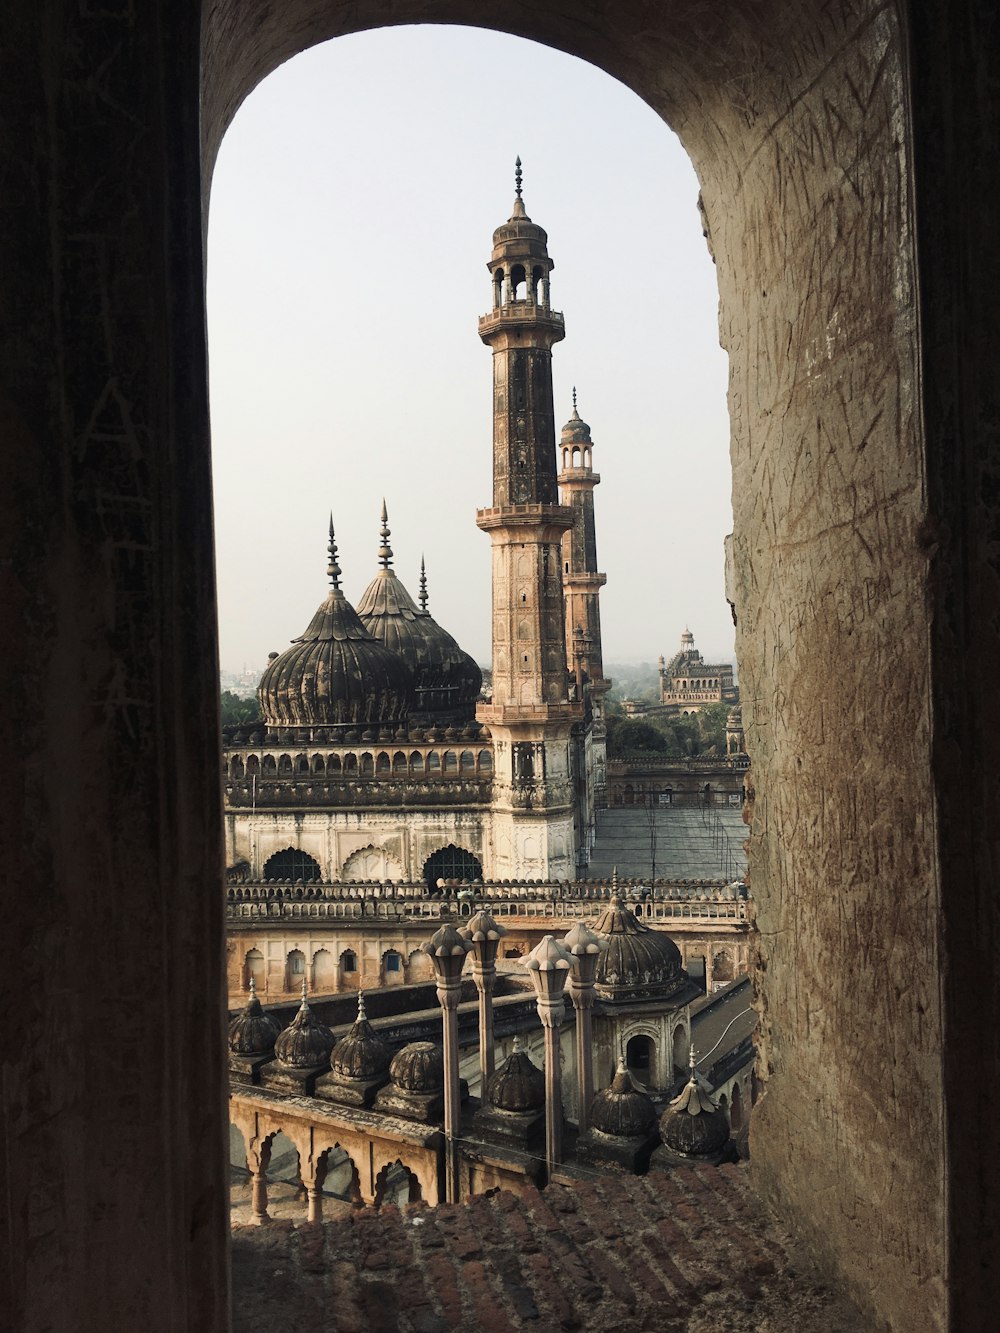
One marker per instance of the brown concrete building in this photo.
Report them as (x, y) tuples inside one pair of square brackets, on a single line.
[(688, 682), (849, 173)]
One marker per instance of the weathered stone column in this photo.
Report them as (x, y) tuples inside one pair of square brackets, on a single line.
[(585, 947), (447, 949), (484, 934), (258, 1160), (549, 964)]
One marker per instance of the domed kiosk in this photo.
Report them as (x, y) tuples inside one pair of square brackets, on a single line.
[(416, 1087), (694, 1128), (301, 1053), (643, 997), (359, 1064), (622, 1130), (252, 1034)]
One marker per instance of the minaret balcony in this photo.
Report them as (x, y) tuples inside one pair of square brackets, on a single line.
[(558, 517), (528, 314)]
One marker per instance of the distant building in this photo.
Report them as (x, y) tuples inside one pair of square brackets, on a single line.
[(688, 683)]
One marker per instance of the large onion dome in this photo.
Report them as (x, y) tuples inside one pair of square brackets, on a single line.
[(362, 1054), (446, 679), (639, 963), (336, 675), (306, 1042), (418, 1067), (622, 1110), (694, 1125), (518, 1085), (252, 1031)]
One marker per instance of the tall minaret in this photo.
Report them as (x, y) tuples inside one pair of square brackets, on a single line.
[(531, 717), (583, 584)]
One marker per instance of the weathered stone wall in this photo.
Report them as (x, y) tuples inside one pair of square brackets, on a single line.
[(865, 495)]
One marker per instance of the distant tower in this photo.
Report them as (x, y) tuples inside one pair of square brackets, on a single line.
[(583, 584), (531, 717)]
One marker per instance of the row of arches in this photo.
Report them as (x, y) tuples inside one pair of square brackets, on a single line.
[(364, 764), (327, 971), (294, 865)]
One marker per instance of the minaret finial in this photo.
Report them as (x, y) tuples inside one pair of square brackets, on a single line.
[(333, 569), (385, 550), (517, 177), (253, 988), (304, 1004), (361, 1005), (693, 1061), (575, 413), (423, 587)]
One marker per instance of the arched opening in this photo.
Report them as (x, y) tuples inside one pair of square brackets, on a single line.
[(392, 968), (640, 1059), (341, 1180), (295, 970), (695, 968), (723, 970), (324, 971), (736, 1109), (294, 864), (396, 1184), (682, 1049), (452, 862), (254, 967), (236, 768), (349, 969)]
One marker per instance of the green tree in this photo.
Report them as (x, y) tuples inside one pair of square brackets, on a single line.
[(630, 736), (237, 712)]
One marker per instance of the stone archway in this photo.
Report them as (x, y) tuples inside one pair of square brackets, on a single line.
[(863, 533)]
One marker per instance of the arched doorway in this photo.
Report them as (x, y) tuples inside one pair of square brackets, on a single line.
[(452, 862), (640, 1059)]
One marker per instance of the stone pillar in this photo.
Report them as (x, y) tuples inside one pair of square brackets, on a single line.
[(549, 964), (258, 1160), (447, 950), (585, 947), (484, 935)]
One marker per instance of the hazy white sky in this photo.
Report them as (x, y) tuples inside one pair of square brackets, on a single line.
[(352, 215)]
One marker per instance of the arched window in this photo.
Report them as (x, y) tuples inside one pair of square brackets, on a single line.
[(396, 1184), (318, 764), (682, 1049), (451, 862), (433, 763), (468, 762), (253, 766), (382, 764), (293, 864), (399, 763), (285, 766), (350, 764), (367, 766), (450, 761), (416, 763), (485, 761), (349, 961), (236, 767), (333, 764), (269, 765), (302, 764), (393, 963)]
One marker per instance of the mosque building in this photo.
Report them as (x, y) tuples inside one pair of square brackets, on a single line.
[(376, 757)]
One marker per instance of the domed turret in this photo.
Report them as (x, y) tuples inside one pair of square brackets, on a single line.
[(336, 675), (518, 1085), (576, 431), (694, 1125), (623, 1110), (639, 963), (306, 1042), (446, 679), (418, 1067), (252, 1031), (362, 1054)]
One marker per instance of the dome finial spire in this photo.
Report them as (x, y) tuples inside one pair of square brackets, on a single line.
[(333, 569), (385, 550), (423, 587), (517, 177), (575, 413), (361, 1005)]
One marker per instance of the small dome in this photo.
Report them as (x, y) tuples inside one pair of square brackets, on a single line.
[(518, 1085), (418, 1067), (623, 1110), (639, 963), (306, 1041), (694, 1125), (252, 1031), (362, 1053), (576, 430), (336, 674)]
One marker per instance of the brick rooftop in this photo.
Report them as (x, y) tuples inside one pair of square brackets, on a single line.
[(690, 1252)]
